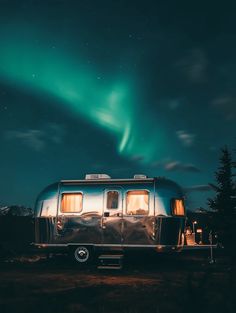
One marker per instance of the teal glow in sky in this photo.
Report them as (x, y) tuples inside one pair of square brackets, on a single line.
[(111, 104)]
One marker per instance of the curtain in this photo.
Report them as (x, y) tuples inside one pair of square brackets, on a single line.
[(178, 207), (71, 203), (137, 202)]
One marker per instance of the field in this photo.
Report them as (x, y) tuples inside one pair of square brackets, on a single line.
[(184, 282)]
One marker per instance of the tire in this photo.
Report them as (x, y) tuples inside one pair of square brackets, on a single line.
[(83, 255)]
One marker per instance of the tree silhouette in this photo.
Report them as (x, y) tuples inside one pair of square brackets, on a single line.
[(224, 202)]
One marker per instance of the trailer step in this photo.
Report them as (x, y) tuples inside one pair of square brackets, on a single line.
[(109, 267), (110, 261)]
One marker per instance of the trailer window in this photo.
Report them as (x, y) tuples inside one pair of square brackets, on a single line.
[(112, 200), (49, 208), (178, 207), (137, 202), (71, 202)]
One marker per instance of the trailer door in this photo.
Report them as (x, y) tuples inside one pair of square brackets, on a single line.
[(111, 221), (138, 219)]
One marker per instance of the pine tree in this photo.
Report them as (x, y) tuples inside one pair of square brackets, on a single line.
[(224, 201)]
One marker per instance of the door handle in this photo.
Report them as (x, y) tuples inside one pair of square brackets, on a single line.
[(103, 226)]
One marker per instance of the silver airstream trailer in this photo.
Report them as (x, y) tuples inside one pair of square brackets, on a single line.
[(98, 212)]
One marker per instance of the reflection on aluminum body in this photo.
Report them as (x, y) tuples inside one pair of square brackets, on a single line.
[(111, 213)]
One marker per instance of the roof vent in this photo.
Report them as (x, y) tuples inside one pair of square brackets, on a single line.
[(140, 176), (97, 176)]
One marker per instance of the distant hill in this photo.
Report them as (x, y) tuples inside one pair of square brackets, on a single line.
[(15, 210)]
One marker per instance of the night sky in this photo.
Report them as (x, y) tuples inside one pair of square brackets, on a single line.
[(116, 87)]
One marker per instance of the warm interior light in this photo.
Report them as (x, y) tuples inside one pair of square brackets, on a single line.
[(71, 203), (137, 202), (178, 207)]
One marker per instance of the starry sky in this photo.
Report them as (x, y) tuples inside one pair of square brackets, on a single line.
[(117, 87)]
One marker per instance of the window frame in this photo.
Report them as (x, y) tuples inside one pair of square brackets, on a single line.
[(119, 200), (71, 193), (172, 207), (130, 190)]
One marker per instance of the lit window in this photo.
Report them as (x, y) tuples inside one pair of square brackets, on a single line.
[(112, 200), (137, 202), (71, 202), (178, 207)]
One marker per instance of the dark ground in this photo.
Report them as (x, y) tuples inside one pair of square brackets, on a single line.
[(184, 282)]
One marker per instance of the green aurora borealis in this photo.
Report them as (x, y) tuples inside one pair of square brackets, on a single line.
[(63, 75)]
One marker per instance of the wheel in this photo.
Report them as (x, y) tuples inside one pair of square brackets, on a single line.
[(83, 255)]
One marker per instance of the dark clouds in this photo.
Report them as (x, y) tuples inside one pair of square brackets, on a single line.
[(37, 139), (198, 188), (186, 138), (178, 166), (227, 105), (194, 66)]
